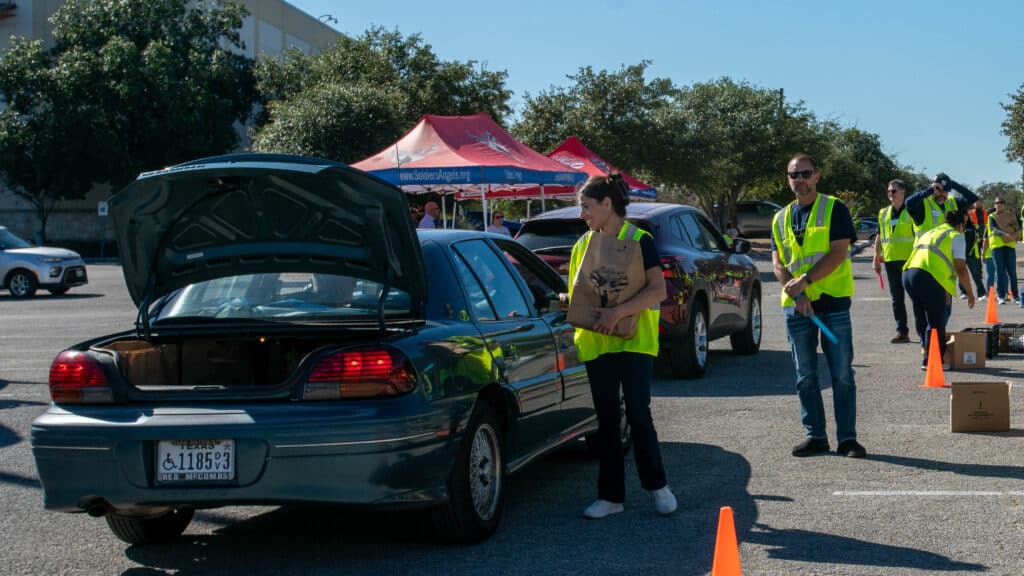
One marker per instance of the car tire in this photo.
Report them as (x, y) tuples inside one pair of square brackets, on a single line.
[(749, 340), (625, 433), (688, 355), (57, 291), (476, 485), (22, 284), (166, 527)]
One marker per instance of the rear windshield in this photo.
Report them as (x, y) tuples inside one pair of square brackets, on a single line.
[(281, 296), (547, 234)]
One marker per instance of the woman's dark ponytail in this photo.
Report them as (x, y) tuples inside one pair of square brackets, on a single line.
[(611, 186)]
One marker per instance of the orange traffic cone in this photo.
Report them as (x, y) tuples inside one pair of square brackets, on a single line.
[(727, 552), (991, 315), (934, 377)]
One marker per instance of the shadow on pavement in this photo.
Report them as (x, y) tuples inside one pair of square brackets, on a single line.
[(541, 531), (831, 550), (980, 470), (767, 373)]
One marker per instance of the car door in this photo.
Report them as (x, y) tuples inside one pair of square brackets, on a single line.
[(543, 284), (724, 275), (520, 342)]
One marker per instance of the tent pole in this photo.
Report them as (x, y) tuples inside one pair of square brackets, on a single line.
[(483, 205), (444, 212), (542, 209)]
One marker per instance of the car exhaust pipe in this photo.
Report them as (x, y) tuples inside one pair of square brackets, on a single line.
[(98, 509)]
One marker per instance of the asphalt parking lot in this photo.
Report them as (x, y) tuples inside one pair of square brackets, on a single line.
[(925, 501)]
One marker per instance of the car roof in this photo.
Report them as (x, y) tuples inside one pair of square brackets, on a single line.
[(641, 210)]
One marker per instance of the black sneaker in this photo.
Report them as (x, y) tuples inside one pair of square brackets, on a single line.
[(810, 447), (851, 449)]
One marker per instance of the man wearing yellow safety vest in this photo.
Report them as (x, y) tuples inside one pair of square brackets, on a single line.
[(893, 244), (927, 207), (930, 275), (810, 242), (1004, 252)]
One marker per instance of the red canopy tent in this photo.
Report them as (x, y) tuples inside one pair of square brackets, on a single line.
[(575, 155), (455, 152)]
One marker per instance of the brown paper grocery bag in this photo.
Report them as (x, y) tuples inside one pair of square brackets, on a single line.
[(611, 272)]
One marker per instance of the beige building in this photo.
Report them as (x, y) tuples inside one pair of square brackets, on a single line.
[(270, 27)]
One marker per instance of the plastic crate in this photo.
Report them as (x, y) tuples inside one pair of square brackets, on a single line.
[(1011, 338), (991, 339)]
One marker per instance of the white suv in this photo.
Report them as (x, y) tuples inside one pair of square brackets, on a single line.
[(25, 268)]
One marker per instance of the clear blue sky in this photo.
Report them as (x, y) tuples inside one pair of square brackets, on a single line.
[(928, 77)]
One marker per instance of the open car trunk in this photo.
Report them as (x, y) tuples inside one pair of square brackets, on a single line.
[(243, 362)]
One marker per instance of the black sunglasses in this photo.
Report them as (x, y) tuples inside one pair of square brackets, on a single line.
[(805, 174)]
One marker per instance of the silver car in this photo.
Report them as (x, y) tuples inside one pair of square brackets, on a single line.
[(25, 268)]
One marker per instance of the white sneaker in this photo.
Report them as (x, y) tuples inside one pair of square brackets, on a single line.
[(1000, 300), (664, 501), (982, 298), (963, 296), (602, 508)]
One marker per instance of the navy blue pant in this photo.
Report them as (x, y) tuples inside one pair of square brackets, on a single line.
[(894, 272), (633, 373), (930, 308)]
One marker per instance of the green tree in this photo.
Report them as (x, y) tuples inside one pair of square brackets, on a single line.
[(129, 86), (737, 140), (366, 90), (1009, 191), (45, 149), (1013, 126), (855, 163), (613, 113)]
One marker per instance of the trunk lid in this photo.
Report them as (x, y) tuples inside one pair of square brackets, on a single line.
[(257, 213)]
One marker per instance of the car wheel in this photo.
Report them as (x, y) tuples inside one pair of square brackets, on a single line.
[(625, 433), (749, 340), (57, 291), (166, 527), (22, 284), (476, 486), (688, 355)]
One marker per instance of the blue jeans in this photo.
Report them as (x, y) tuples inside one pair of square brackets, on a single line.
[(990, 274), (1006, 267), (803, 339)]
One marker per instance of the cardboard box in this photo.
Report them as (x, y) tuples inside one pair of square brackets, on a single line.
[(979, 407), (1007, 221), (965, 351)]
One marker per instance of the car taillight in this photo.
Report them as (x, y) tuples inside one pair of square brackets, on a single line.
[(77, 378), (668, 265), (361, 373)]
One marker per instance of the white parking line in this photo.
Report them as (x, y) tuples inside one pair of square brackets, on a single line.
[(928, 493)]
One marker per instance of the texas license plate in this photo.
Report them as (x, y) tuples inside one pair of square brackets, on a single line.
[(195, 460)]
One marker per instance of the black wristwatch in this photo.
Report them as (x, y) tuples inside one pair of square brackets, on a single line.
[(807, 279)]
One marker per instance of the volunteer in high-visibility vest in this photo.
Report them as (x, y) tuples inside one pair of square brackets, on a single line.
[(1004, 252), (810, 244), (930, 275), (893, 244), (990, 263), (627, 363), (928, 206), (975, 227)]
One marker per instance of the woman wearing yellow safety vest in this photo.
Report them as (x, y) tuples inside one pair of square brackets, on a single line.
[(1004, 252), (930, 275), (613, 362)]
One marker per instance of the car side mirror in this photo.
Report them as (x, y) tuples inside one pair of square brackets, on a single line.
[(740, 246)]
